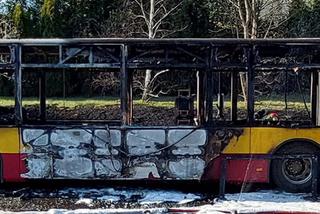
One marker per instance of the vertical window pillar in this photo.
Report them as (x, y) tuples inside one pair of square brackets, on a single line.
[(209, 86), (130, 96), (314, 97), (18, 86), (42, 95), (234, 96), (124, 93), (250, 85), (200, 97)]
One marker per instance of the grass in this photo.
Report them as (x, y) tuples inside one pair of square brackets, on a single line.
[(72, 102), (275, 102)]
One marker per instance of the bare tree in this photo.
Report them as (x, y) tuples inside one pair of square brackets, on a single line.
[(154, 14), (252, 12), (7, 29)]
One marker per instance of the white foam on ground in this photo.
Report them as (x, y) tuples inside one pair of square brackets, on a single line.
[(95, 211), (86, 201), (263, 201), (142, 196), (157, 197)]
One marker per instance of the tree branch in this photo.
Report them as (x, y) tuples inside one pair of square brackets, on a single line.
[(165, 16), (144, 15)]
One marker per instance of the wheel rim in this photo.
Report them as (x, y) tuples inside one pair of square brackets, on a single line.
[(297, 171)]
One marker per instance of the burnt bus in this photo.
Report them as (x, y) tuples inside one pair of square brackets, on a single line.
[(192, 147)]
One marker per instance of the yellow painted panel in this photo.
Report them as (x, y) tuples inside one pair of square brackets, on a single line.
[(239, 145), (311, 134), (264, 139), (9, 140)]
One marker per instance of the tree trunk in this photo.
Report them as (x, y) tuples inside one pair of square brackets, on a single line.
[(254, 25), (148, 74), (146, 86), (243, 75), (244, 86)]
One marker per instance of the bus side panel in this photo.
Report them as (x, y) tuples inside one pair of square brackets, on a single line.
[(239, 170), (10, 154), (266, 140), (135, 153)]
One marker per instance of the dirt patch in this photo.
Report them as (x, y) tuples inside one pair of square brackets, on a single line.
[(142, 115)]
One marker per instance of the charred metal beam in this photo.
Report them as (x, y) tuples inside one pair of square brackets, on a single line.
[(73, 54), (73, 65), (42, 95), (220, 97), (209, 89), (83, 41), (161, 65), (124, 86), (223, 177), (250, 84), (315, 175), (114, 58), (7, 66), (91, 55), (18, 85), (191, 54), (313, 95), (234, 97), (284, 67), (200, 97), (130, 97)]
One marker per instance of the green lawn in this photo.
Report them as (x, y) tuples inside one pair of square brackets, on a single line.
[(276, 103), (72, 102)]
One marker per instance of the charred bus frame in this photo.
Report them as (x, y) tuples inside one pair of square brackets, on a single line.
[(202, 55)]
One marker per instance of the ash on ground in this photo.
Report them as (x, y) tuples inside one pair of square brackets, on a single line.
[(36, 199)]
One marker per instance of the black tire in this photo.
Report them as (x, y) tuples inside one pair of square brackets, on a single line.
[(294, 175)]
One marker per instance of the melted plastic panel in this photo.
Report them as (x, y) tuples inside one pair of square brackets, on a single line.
[(72, 153), (82, 153)]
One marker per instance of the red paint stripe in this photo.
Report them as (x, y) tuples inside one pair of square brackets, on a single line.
[(11, 169), (182, 210), (238, 171), (287, 212)]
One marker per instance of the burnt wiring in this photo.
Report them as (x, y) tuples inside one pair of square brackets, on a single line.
[(150, 153), (110, 147)]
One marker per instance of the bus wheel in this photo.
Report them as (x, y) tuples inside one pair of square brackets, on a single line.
[(294, 175)]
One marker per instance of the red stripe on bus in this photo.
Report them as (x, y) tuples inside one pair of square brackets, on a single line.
[(286, 212), (11, 167), (238, 171)]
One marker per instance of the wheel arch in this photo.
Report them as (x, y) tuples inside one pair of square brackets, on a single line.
[(278, 179), (294, 140)]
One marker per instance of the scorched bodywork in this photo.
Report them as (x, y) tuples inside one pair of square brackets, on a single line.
[(114, 153)]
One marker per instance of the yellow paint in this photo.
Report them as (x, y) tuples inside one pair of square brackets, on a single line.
[(258, 140), (239, 145), (263, 140), (9, 140)]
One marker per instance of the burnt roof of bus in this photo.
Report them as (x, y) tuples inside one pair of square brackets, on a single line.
[(289, 41)]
